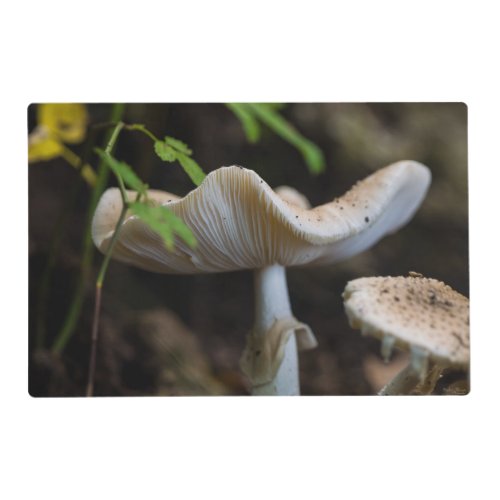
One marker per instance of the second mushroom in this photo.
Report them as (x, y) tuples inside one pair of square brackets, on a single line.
[(422, 315), (241, 223)]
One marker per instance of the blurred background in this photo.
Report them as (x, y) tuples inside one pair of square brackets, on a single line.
[(183, 335)]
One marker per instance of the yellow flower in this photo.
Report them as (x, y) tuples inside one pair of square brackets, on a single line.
[(67, 122), (42, 147), (59, 124)]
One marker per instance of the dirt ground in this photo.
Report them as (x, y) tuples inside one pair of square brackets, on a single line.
[(184, 335)]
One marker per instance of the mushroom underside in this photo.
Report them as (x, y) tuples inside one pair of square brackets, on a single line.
[(240, 223)]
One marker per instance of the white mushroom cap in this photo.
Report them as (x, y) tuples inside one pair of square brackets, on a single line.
[(415, 312), (292, 197), (241, 223)]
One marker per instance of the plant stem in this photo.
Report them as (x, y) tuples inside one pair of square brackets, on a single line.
[(114, 136), (114, 238), (143, 129), (56, 240), (93, 346), (88, 248), (97, 305), (44, 283), (100, 282)]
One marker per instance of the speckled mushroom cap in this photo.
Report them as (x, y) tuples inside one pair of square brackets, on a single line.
[(416, 311), (241, 223)]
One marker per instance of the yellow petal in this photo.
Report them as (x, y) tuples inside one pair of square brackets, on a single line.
[(42, 147), (66, 122)]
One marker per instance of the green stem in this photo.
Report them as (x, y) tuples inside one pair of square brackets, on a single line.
[(56, 239), (114, 137), (114, 238), (97, 306), (98, 290), (44, 284), (143, 129), (109, 148), (74, 311)]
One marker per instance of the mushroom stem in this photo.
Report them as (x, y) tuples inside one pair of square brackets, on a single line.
[(402, 383), (271, 297), (272, 304), (410, 376), (426, 386), (286, 382)]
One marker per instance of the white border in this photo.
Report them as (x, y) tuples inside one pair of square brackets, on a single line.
[(244, 447)]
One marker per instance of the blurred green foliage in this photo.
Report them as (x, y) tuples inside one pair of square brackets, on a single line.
[(250, 116), (164, 222)]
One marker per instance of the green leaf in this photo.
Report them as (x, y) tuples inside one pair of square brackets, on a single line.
[(250, 125), (191, 168), (124, 171), (164, 222), (312, 155), (173, 149), (276, 105), (165, 152), (179, 145)]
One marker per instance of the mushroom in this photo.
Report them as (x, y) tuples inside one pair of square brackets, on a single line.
[(241, 223), (413, 313)]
